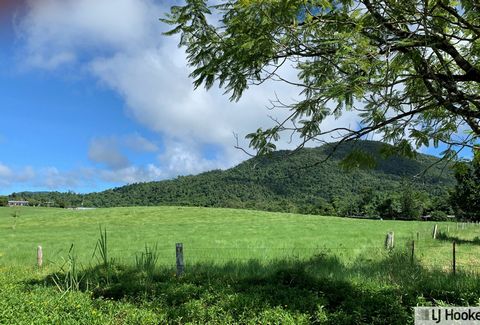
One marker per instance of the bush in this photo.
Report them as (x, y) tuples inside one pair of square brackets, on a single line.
[(438, 216)]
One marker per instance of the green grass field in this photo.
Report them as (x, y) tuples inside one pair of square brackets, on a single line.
[(241, 267)]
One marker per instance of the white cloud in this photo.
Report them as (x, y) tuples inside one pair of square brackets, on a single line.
[(132, 174), (9, 176), (50, 63), (26, 174), (52, 178), (135, 60), (106, 151), (58, 28), (138, 143), (124, 49), (5, 172), (183, 159)]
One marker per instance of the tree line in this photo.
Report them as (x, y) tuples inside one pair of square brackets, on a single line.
[(295, 183)]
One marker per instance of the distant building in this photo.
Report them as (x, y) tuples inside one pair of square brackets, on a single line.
[(17, 203)]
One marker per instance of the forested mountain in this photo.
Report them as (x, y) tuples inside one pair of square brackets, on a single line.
[(300, 182)]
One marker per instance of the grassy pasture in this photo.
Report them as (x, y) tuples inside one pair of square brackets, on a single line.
[(215, 235), (241, 267)]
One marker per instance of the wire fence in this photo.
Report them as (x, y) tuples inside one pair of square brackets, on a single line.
[(448, 250), (433, 255)]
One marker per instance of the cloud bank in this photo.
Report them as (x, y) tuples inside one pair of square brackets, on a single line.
[(119, 43)]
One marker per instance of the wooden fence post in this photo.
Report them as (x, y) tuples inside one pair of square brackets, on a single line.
[(390, 240), (418, 236), (413, 252), (179, 258), (39, 256), (434, 233), (454, 262)]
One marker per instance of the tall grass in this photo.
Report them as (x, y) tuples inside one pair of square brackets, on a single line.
[(147, 260), (101, 248), (69, 277), (321, 290)]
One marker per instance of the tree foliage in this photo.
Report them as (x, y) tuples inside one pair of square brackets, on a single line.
[(466, 196), (410, 69), (280, 182)]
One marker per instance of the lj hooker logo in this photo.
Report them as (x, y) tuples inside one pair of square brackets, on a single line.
[(447, 315)]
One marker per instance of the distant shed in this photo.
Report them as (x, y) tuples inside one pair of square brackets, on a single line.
[(17, 203)]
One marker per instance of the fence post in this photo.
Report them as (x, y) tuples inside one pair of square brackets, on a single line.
[(413, 251), (390, 240), (39, 256), (434, 233), (179, 258), (418, 236), (454, 262)]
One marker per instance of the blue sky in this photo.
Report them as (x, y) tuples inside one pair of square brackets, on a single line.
[(93, 98), (51, 118)]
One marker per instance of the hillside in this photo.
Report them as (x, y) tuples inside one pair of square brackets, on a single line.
[(281, 182)]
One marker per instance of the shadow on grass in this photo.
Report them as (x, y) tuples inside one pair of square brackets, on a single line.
[(321, 290), (446, 237)]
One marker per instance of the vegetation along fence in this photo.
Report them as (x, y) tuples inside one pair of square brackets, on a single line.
[(451, 253)]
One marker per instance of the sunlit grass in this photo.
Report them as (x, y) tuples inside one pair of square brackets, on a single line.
[(219, 235), (240, 267)]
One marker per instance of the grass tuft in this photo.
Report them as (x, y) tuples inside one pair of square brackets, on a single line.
[(101, 248), (69, 277), (147, 260)]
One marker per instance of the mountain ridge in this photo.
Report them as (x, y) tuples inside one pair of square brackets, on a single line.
[(280, 182)]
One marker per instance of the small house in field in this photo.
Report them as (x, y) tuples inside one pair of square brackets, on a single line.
[(17, 203)]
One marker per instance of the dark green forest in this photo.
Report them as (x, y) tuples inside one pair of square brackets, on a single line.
[(394, 187)]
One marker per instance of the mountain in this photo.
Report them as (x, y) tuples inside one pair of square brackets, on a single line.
[(304, 181)]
